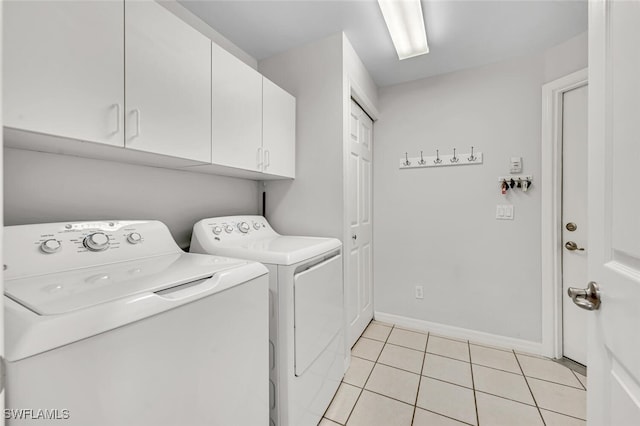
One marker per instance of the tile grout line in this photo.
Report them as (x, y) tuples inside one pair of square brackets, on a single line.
[(563, 414), (532, 395), (473, 384), (581, 388), (370, 372), (447, 417), (424, 357), (508, 399)]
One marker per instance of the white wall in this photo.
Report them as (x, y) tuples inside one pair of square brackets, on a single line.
[(437, 227), (41, 187), (190, 18), (357, 75), (312, 203)]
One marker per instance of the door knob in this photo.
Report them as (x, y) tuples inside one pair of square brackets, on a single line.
[(571, 246), (355, 237), (588, 298)]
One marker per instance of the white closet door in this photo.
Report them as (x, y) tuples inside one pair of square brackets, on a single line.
[(278, 130), (63, 68), (359, 281), (236, 112), (168, 84)]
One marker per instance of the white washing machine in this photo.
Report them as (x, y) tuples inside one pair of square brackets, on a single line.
[(307, 322), (110, 323)]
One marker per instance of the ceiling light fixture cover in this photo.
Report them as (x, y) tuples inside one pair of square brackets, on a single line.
[(406, 25)]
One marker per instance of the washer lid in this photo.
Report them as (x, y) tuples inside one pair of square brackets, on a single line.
[(75, 290), (279, 250)]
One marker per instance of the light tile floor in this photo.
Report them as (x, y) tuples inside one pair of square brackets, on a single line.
[(402, 377)]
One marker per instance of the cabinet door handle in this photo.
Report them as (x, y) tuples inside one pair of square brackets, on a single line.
[(260, 162), (138, 130), (117, 108), (267, 158)]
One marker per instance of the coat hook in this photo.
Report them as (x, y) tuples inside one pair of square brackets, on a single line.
[(454, 159), (406, 161), (422, 162), (473, 157), (437, 160)]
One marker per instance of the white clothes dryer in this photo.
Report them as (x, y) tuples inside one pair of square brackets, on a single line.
[(111, 323), (306, 316)]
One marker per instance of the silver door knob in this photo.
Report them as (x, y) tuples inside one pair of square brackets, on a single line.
[(354, 237), (571, 246), (588, 298)]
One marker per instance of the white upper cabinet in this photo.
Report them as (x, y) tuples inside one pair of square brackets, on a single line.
[(278, 130), (168, 84), (63, 69), (236, 112)]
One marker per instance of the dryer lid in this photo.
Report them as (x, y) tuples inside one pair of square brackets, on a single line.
[(79, 289)]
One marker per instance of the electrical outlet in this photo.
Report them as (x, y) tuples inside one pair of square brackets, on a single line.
[(419, 292)]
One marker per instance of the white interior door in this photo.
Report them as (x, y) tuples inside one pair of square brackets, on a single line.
[(614, 212), (359, 249), (574, 220)]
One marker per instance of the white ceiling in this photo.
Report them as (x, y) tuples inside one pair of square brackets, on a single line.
[(462, 34)]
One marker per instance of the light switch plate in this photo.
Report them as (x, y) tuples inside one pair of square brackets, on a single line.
[(504, 211), (508, 211), (516, 165)]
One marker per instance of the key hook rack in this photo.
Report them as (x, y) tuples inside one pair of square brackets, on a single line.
[(440, 161), (522, 182)]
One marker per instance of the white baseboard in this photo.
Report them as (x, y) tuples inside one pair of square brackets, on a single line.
[(462, 333)]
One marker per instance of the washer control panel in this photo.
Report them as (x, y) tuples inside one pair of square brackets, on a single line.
[(231, 228), (54, 247)]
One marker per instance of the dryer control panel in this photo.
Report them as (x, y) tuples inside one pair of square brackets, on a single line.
[(54, 247), (231, 228)]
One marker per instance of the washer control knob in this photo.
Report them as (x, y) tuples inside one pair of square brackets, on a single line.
[(134, 238), (243, 227), (50, 246), (228, 229), (97, 241), (256, 225), (217, 230)]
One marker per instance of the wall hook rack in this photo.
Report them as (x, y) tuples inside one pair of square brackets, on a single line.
[(523, 182), (440, 161)]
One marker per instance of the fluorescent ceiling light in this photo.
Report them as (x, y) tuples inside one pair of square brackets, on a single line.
[(406, 25)]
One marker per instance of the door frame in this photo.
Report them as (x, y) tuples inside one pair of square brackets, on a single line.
[(352, 90), (551, 208)]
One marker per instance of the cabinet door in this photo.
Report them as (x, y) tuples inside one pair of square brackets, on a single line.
[(168, 84), (63, 69), (236, 112), (278, 130)]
